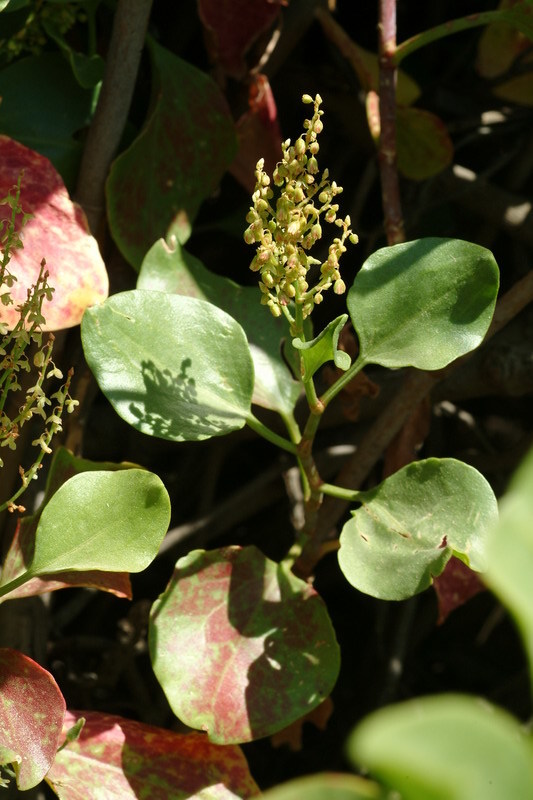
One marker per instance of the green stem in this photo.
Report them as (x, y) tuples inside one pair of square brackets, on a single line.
[(447, 28), (270, 435), (15, 583), (341, 382), (351, 495), (292, 426)]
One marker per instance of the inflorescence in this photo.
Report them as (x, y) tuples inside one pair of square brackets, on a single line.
[(286, 231)]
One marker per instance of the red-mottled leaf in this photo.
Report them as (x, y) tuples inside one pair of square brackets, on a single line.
[(64, 466), (31, 714), (57, 232), (233, 26), (118, 759), (176, 161), (258, 133), (455, 586), (241, 647), (424, 145)]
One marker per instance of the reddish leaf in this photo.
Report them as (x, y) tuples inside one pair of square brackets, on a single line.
[(118, 759), (31, 714), (240, 645), (176, 161), (64, 466), (424, 145), (258, 133), (455, 586), (233, 26), (57, 232)]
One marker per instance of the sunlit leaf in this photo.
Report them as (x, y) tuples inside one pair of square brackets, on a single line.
[(241, 647), (171, 269), (31, 715), (119, 759), (175, 163), (57, 232), (410, 525), (438, 748), (174, 367), (423, 303), (323, 348)]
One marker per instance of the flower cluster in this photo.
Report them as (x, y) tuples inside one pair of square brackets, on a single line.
[(22, 350), (287, 229)]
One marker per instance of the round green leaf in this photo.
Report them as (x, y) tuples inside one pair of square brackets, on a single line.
[(325, 786), (174, 367), (170, 268), (423, 303), (445, 747), (410, 525), (111, 521), (240, 645)]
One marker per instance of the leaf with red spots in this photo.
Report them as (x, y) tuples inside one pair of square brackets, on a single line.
[(31, 714), (20, 554), (120, 759), (240, 645), (176, 161), (233, 26), (455, 586), (57, 232)]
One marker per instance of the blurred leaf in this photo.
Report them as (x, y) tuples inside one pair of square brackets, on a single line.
[(232, 26), (171, 366), (424, 145), (518, 89), (42, 107), (325, 786), (409, 526), (171, 269), (175, 163), (241, 646), (454, 587), (510, 553), (323, 348), (31, 714), (57, 232), (119, 758), (423, 303), (501, 43), (438, 748)]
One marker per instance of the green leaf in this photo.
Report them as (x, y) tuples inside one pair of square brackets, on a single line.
[(424, 145), (111, 521), (510, 553), (240, 645), (88, 70), (31, 714), (423, 303), (42, 107), (174, 367), (326, 786), (445, 747), (175, 163), (411, 524), (323, 348), (169, 268), (132, 760)]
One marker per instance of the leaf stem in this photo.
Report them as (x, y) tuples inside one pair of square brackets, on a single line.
[(270, 435), (350, 495), (15, 583), (342, 381), (447, 28)]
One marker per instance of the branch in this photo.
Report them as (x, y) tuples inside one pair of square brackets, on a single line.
[(105, 131)]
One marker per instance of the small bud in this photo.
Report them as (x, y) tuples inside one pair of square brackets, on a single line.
[(354, 238), (339, 287), (299, 147), (318, 127), (307, 99)]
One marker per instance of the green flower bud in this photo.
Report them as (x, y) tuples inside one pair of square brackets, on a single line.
[(306, 98)]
